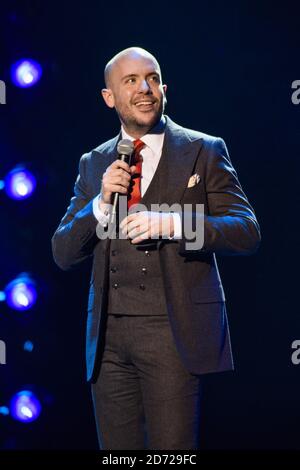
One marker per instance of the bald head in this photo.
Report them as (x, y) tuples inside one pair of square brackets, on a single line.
[(135, 90), (134, 53)]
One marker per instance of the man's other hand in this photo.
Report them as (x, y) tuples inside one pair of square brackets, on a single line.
[(143, 225)]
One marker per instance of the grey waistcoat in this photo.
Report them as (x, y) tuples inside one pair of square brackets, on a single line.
[(135, 280)]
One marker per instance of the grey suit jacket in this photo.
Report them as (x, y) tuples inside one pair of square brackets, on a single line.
[(193, 289)]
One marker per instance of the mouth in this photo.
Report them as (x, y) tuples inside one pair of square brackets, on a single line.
[(145, 105)]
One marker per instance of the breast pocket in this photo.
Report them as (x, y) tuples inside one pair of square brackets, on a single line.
[(195, 194)]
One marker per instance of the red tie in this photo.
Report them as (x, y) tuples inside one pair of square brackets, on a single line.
[(134, 195)]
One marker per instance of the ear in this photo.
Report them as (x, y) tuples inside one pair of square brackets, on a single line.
[(165, 94), (108, 97)]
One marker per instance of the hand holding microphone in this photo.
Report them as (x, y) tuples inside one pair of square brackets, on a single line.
[(116, 179)]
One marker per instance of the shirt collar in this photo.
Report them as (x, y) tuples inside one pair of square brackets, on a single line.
[(153, 140)]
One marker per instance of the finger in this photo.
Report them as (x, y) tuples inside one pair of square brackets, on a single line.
[(127, 220), (137, 231), (120, 164), (138, 239), (134, 220), (119, 172), (117, 180), (134, 226), (116, 188), (125, 227)]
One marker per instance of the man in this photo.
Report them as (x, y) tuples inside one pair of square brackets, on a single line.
[(156, 311)]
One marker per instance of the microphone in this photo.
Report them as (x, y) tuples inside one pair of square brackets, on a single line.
[(125, 149)]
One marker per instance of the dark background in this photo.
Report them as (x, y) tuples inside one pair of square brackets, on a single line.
[(229, 67)]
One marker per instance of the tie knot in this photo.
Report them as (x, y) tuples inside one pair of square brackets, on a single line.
[(138, 145)]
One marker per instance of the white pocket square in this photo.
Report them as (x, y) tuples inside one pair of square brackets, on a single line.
[(193, 180)]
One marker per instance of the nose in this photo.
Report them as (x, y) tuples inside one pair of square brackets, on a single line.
[(144, 86)]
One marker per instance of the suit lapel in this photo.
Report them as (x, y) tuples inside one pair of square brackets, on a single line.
[(179, 155)]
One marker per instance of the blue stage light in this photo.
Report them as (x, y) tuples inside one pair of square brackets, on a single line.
[(21, 293), (25, 406), (20, 183), (28, 346), (2, 296), (4, 410), (26, 73)]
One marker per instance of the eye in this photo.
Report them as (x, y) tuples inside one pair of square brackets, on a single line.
[(131, 80), (155, 78)]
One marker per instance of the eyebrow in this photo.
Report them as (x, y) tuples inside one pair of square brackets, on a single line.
[(133, 75)]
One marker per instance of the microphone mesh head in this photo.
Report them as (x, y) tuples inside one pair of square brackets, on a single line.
[(125, 147)]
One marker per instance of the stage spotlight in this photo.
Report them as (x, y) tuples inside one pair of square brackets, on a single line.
[(21, 293), (25, 406), (26, 73), (2, 296), (4, 410), (28, 346), (20, 183)]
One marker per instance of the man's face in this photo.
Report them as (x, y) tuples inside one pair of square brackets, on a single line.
[(136, 92)]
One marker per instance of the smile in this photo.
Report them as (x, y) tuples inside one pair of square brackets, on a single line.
[(144, 103)]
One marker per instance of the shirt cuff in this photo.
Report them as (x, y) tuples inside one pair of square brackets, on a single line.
[(102, 217), (177, 227)]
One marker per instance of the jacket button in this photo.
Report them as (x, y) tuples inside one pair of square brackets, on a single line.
[(144, 270), (113, 252), (142, 287), (147, 253), (116, 285), (113, 269)]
